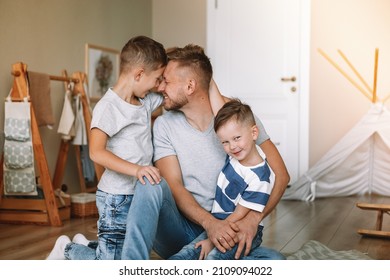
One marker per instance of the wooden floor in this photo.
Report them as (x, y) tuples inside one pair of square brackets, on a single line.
[(332, 221)]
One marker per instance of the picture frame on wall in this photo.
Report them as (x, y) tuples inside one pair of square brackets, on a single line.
[(102, 69)]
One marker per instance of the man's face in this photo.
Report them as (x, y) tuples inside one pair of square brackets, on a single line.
[(173, 87)]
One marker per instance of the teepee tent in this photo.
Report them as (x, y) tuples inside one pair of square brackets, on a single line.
[(360, 162)]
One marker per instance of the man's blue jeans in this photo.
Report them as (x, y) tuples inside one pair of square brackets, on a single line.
[(155, 222)]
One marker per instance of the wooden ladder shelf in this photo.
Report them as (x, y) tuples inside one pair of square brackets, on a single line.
[(47, 210)]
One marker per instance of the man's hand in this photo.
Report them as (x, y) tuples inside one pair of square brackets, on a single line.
[(223, 234), (248, 229)]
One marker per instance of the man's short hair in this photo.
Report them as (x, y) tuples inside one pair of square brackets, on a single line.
[(193, 57)]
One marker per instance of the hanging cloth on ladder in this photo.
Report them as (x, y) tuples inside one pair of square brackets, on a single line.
[(39, 91), (66, 125), (19, 172), (81, 140), (80, 137)]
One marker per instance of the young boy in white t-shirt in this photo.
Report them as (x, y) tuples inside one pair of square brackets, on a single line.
[(121, 142)]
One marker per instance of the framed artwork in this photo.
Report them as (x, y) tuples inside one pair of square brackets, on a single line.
[(102, 69)]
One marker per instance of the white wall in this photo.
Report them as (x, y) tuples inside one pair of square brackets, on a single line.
[(356, 27), (179, 22), (50, 36)]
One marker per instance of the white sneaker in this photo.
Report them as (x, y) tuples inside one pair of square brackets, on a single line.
[(58, 252), (80, 239)]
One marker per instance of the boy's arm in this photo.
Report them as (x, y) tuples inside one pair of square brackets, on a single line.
[(239, 213), (99, 154), (248, 225), (216, 99)]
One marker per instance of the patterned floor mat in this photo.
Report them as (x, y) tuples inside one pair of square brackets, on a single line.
[(314, 250)]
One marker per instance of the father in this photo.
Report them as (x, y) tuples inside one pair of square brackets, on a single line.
[(190, 157)]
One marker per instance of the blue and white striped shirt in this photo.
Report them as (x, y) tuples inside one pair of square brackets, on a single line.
[(247, 186)]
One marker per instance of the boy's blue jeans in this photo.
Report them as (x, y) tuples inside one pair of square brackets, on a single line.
[(189, 252), (113, 210)]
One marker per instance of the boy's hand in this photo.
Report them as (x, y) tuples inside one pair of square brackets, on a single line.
[(150, 172), (207, 246)]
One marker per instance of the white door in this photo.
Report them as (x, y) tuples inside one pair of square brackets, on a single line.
[(255, 48)]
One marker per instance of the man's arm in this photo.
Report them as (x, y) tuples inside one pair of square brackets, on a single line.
[(216, 99), (282, 177), (170, 169)]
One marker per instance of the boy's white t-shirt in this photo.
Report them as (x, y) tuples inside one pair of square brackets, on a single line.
[(129, 133)]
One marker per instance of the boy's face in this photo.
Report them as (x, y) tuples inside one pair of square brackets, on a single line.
[(238, 140), (149, 82)]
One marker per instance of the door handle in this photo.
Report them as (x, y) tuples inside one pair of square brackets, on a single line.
[(292, 79)]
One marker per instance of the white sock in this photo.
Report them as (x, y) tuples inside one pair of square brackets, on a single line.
[(58, 252), (80, 239)]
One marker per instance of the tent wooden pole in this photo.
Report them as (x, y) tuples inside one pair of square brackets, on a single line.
[(386, 98), (345, 74), (374, 97), (355, 71)]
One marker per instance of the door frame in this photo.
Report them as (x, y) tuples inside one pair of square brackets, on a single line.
[(304, 74)]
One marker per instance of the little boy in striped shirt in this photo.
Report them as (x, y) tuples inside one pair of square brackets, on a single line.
[(245, 182)]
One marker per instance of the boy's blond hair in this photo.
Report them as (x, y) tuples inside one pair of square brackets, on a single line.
[(142, 51), (234, 110)]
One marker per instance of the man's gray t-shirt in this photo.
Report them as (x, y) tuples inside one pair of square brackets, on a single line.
[(200, 154), (129, 133)]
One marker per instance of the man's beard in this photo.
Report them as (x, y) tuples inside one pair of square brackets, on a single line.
[(175, 105)]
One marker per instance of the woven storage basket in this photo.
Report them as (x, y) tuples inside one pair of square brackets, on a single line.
[(83, 205)]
